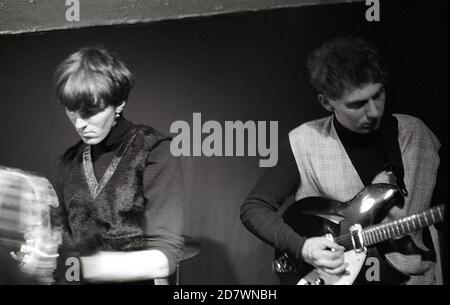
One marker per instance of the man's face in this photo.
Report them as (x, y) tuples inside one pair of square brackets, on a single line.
[(361, 110), (93, 129)]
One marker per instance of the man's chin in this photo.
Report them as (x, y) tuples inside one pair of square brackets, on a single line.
[(368, 129), (90, 141)]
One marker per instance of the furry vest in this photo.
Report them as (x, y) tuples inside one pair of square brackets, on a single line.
[(109, 213)]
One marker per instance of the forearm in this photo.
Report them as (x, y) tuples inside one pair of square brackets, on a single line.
[(259, 212), (269, 227), (124, 266)]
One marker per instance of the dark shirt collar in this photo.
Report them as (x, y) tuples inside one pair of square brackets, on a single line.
[(352, 138), (116, 135)]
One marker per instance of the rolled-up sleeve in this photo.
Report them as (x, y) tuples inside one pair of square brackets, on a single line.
[(163, 188)]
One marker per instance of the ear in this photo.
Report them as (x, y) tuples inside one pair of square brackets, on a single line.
[(325, 102), (120, 108)]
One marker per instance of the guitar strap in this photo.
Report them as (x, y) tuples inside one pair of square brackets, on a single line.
[(392, 155), (394, 168)]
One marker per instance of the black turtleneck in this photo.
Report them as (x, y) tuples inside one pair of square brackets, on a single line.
[(363, 147), (374, 152), (104, 152)]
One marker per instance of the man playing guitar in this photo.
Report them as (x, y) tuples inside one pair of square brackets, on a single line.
[(337, 156)]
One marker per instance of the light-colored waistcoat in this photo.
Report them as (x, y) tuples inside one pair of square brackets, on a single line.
[(326, 170)]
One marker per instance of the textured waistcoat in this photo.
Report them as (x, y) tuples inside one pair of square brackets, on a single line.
[(111, 209)]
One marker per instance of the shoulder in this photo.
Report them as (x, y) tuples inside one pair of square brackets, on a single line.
[(311, 129), (151, 136), (413, 130), (70, 154), (408, 122), (66, 161), (156, 143)]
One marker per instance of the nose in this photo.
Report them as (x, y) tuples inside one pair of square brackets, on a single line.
[(80, 124), (373, 110)]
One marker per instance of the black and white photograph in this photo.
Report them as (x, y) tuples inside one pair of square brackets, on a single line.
[(252, 144)]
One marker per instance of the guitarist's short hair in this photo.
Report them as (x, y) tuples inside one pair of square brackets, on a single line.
[(344, 63)]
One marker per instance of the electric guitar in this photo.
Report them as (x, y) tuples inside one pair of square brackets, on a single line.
[(355, 226)]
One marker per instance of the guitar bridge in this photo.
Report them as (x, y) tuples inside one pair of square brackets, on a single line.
[(357, 238)]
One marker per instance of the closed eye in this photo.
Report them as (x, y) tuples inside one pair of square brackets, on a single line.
[(379, 94), (357, 104), (360, 104)]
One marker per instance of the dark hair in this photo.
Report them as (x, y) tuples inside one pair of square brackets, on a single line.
[(92, 79), (343, 64)]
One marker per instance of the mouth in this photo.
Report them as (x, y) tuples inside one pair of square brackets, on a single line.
[(88, 135), (370, 125)]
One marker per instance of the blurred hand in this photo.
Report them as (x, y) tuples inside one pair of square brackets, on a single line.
[(325, 255), (35, 257)]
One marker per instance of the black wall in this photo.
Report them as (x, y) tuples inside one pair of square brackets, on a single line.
[(235, 67)]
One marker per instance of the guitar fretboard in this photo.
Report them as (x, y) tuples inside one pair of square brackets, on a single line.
[(398, 228)]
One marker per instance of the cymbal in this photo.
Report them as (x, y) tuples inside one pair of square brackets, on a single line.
[(191, 248)]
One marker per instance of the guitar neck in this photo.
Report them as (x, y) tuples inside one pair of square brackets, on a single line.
[(398, 228)]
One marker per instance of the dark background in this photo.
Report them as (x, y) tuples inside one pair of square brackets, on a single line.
[(234, 67)]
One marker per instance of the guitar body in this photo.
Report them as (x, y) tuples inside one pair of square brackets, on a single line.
[(317, 216), (354, 259)]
